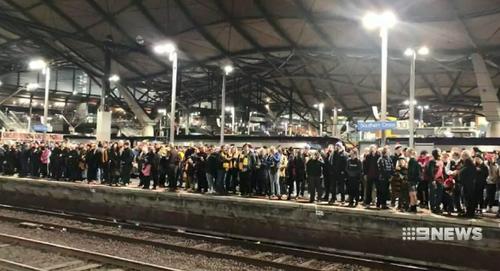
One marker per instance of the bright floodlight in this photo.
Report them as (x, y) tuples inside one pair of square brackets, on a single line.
[(409, 52), (408, 102), (37, 64), (340, 109), (386, 19), (426, 107), (423, 51), (164, 48), (228, 69), (32, 86), (315, 105), (114, 78)]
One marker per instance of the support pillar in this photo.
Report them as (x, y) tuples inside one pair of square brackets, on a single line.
[(148, 130), (103, 125), (103, 131), (493, 129), (488, 94)]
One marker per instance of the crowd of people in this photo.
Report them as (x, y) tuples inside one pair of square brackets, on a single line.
[(444, 182)]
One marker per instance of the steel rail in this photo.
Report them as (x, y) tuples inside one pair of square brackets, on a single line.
[(367, 261), (82, 254), (14, 266)]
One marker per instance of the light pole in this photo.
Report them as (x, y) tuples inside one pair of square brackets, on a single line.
[(169, 49), (42, 65), (320, 107), (383, 21), (227, 70), (412, 52)]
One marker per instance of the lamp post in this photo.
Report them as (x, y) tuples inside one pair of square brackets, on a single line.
[(412, 52), (384, 21), (169, 49), (43, 66), (320, 106), (227, 70)]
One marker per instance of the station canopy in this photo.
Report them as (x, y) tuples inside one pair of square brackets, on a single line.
[(299, 51)]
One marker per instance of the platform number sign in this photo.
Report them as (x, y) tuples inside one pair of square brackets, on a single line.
[(403, 125)]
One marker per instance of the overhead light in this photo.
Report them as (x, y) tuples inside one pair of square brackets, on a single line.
[(426, 107), (407, 102), (75, 92), (386, 20), (32, 86), (268, 100), (14, 102), (1, 83), (340, 109), (166, 48), (114, 78), (423, 51), (228, 69), (37, 64), (35, 104), (409, 52)]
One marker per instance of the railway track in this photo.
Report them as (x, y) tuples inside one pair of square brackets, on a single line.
[(241, 250), (23, 254)]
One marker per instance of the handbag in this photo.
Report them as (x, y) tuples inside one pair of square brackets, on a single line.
[(146, 170)]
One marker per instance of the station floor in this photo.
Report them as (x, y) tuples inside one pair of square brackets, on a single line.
[(487, 217)]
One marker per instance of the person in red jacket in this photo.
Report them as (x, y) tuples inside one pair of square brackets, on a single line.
[(435, 173)]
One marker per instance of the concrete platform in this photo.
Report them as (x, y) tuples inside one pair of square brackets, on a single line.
[(332, 227)]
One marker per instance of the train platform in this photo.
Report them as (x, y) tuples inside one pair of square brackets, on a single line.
[(333, 228)]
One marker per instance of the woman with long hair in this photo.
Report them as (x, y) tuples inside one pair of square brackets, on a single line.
[(491, 182), (114, 165)]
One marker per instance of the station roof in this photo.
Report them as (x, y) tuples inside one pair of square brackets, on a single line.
[(304, 51)]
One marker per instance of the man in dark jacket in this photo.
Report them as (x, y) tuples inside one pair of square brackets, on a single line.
[(314, 171), (300, 170), (339, 176), (328, 172), (386, 171), (354, 171), (290, 171), (173, 160), (126, 159), (371, 174), (246, 161)]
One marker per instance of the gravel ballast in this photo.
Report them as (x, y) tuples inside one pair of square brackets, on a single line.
[(187, 261), (141, 253)]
